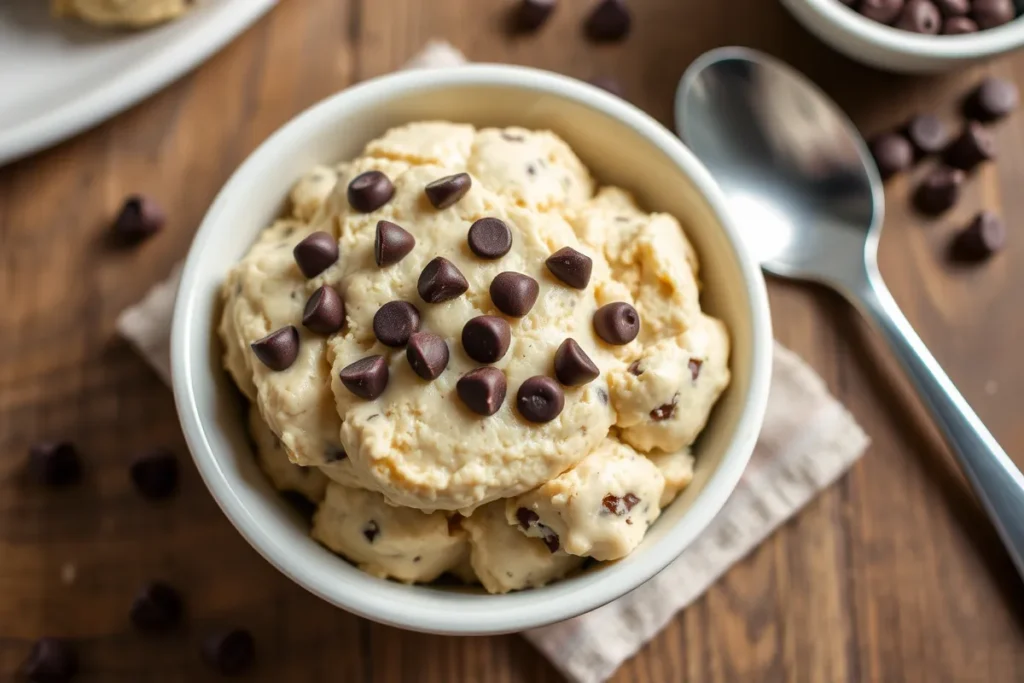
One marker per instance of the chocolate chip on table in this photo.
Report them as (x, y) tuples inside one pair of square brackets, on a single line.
[(992, 13), (279, 349), (617, 323), (157, 607), (366, 378), (958, 26), (140, 218), (884, 11), (571, 267), (939, 190), (695, 366), (920, 16), (985, 236), (369, 191), (974, 146), (50, 661), (573, 367), (620, 505), (441, 281), (514, 294), (54, 464), (444, 192), (953, 8), (609, 21), (486, 338), (928, 134), (666, 411), (609, 84), (992, 100), (530, 15), (324, 312), (483, 390), (394, 322), (155, 474), (540, 399), (229, 652), (316, 253), (427, 355), (392, 243), (490, 238), (371, 531), (893, 153)]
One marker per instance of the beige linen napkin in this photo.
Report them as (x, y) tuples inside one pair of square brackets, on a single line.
[(808, 441)]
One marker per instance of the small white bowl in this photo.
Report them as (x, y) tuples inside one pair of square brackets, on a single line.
[(621, 145), (891, 49)]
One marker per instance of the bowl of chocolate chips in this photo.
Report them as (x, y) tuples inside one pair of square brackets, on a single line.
[(914, 36)]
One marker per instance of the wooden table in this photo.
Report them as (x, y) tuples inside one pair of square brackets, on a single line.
[(892, 575)]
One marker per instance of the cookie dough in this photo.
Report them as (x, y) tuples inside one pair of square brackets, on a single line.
[(273, 460), (123, 13)]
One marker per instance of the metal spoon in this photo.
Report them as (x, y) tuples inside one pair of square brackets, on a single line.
[(809, 201)]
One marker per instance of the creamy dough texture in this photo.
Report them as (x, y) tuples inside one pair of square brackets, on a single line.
[(125, 13), (516, 503)]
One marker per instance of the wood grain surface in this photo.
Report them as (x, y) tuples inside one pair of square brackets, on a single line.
[(891, 575)]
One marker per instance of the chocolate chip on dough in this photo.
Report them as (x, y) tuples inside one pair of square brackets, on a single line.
[(573, 367), (483, 390), (369, 191), (279, 349), (392, 243), (514, 294), (617, 323), (444, 192), (366, 378)]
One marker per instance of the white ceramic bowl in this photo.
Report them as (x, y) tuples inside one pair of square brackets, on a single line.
[(622, 146), (891, 49)]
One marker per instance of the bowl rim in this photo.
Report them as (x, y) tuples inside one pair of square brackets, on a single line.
[(504, 613), (968, 46)]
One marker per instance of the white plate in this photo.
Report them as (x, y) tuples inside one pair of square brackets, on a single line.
[(59, 77)]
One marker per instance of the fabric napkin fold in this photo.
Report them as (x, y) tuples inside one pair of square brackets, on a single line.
[(808, 441)]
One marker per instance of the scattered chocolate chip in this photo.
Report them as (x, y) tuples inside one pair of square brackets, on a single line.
[(427, 355), (50, 661), (928, 134), (279, 349), (444, 192), (571, 267), (140, 218), (527, 518), (392, 243), (157, 607), (155, 474), (619, 506), (483, 390), (985, 236), (974, 146), (958, 26), (695, 366), (665, 412), (394, 322), (486, 338), (366, 378), (892, 153), (609, 84), (953, 8), (939, 190), (441, 281), (573, 367), (490, 238), (609, 21), (369, 191), (316, 253), (324, 312), (920, 16), (371, 531), (617, 323), (530, 15), (884, 11), (55, 464), (992, 100), (514, 294), (540, 399), (635, 369), (229, 652), (992, 13), (302, 505)]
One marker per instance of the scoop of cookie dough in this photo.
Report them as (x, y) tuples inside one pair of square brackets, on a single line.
[(386, 541), (677, 468), (125, 13), (273, 460)]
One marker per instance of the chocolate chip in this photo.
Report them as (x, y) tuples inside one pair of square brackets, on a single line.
[(620, 506), (486, 338), (665, 412), (884, 11), (527, 518), (279, 349), (695, 366), (939, 190), (483, 390), (953, 8), (394, 322), (140, 218), (55, 464), (635, 369), (958, 26), (530, 15), (892, 153), (444, 192), (609, 84), (928, 134), (490, 238), (324, 312), (992, 13), (985, 236), (920, 16), (334, 453), (369, 191), (571, 267), (992, 100), (366, 378), (155, 474), (371, 531), (603, 396), (157, 607), (50, 661), (514, 294), (427, 355), (441, 281), (302, 505), (617, 323), (229, 652), (573, 367), (540, 399), (392, 243), (610, 20), (316, 253), (974, 146)]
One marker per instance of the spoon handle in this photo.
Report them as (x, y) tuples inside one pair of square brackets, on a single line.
[(996, 480)]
